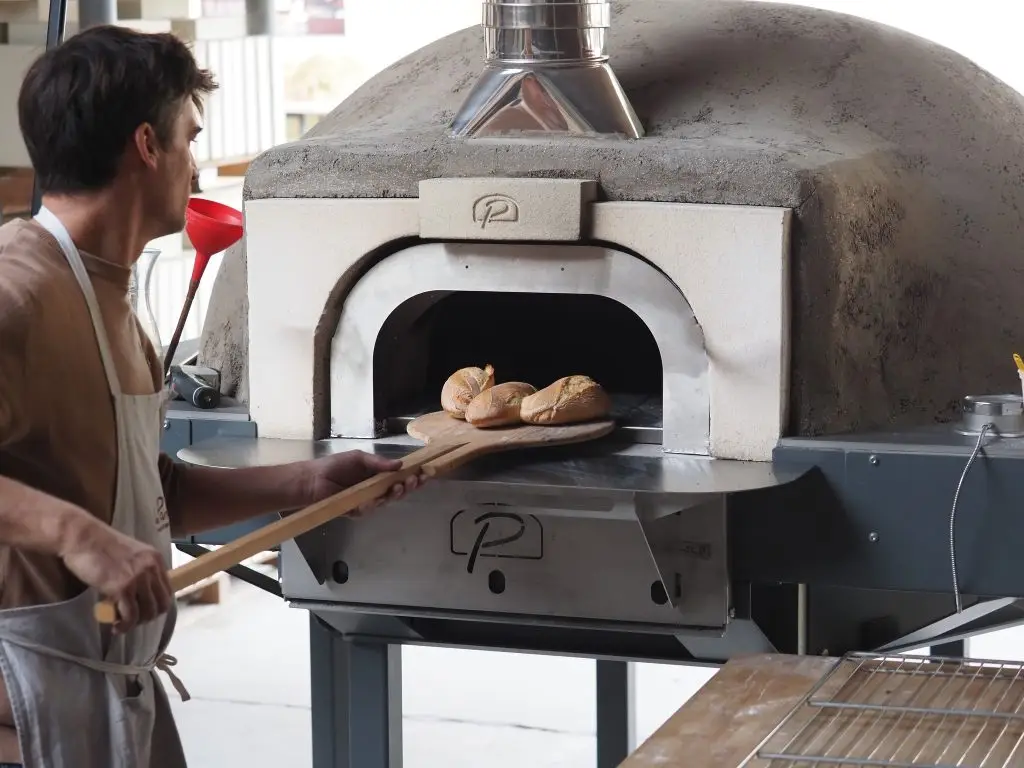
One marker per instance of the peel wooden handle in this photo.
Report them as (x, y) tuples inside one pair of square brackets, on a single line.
[(430, 460)]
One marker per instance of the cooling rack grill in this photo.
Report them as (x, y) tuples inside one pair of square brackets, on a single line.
[(904, 712)]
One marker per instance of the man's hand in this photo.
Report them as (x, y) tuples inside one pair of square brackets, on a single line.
[(131, 574), (332, 474)]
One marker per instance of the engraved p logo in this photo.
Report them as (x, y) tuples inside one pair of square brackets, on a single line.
[(161, 519), (495, 208)]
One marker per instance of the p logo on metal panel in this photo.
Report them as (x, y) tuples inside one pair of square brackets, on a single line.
[(496, 534), (495, 208)]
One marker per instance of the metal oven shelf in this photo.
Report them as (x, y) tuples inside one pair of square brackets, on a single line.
[(904, 712)]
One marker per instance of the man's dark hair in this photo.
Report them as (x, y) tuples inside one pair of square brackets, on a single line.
[(81, 102)]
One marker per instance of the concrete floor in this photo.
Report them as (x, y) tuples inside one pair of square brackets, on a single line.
[(246, 664)]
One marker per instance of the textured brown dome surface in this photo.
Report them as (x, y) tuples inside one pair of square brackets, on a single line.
[(903, 160)]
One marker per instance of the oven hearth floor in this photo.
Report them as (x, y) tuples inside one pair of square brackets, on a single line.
[(638, 416)]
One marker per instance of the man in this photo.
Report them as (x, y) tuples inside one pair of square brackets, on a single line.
[(87, 504)]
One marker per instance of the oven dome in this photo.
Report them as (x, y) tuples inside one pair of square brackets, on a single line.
[(903, 162)]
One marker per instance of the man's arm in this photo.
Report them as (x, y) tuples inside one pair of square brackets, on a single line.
[(31, 519), (204, 498), (130, 573)]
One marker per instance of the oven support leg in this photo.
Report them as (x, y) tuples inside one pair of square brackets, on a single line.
[(356, 696), (616, 712)]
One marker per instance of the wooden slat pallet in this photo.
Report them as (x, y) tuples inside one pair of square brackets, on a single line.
[(209, 591), (205, 592)]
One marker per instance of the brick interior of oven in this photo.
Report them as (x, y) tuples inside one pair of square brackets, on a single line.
[(536, 338)]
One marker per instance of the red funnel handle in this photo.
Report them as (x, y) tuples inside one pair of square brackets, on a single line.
[(199, 266)]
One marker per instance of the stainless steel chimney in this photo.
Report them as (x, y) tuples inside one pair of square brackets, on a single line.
[(546, 71)]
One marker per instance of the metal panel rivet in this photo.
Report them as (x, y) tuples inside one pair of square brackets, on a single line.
[(873, 460), (873, 537)]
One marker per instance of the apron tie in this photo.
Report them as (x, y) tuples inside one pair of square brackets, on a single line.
[(163, 663)]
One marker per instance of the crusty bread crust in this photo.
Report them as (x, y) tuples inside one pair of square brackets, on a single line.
[(462, 386), (498, 406), (569, 400)]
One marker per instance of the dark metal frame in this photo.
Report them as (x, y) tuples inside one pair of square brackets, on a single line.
[(356, 695)]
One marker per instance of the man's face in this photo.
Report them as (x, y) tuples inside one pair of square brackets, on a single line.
[(173, 172)]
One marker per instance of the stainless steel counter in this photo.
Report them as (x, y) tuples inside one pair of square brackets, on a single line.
[(605, 465)]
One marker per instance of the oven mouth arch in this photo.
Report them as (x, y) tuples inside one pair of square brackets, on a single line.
[(411, 280), (530, 337)]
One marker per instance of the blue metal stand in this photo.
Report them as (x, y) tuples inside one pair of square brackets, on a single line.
[(616, 718), (356, 691)]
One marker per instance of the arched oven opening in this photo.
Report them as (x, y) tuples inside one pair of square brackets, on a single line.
[(531, 337), (536, 313)]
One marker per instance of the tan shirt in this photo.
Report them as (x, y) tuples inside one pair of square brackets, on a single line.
[(57, 429)]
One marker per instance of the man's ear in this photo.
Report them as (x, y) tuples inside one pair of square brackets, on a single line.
[(146, 145)]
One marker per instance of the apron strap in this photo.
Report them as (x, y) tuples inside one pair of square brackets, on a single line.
[(54, 226), (163, 663)]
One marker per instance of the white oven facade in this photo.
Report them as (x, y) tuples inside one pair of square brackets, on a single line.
[(709, 282)]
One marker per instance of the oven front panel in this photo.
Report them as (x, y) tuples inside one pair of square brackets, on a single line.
[(727, 265), (463, 548)]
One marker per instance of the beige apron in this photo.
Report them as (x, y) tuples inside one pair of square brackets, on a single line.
[(83, 698)]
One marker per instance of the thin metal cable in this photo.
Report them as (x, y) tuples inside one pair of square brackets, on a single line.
[(952, 515)]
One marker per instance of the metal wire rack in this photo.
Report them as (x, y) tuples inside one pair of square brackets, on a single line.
[(904, 712)]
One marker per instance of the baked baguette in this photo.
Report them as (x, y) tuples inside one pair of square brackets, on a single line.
[(568, 401), (499, 405), (462, 386)]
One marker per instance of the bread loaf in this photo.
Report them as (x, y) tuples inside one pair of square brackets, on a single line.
[(462, 386), (567, 401), (499, 405)]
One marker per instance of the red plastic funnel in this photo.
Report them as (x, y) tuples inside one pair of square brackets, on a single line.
[(212, 227)]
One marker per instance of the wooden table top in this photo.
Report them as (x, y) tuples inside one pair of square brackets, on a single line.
[(899, 710), (732, 713)]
